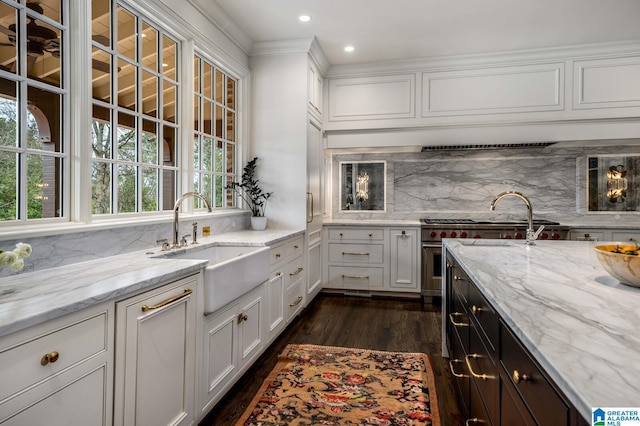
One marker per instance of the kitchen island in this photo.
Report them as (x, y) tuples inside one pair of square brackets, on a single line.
[(579, 324)]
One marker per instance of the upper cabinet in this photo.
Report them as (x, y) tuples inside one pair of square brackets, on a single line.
[(510, 98), (314, 91)]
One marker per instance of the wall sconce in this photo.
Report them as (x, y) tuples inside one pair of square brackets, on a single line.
[(362, 186), (616, 184)]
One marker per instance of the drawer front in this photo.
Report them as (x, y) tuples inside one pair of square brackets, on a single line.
[(356, 234), (356, 277), (485, 316), (586, 236), (459, 320), (25, 364), (277, 255), (294, 271), (294, 248), (356, 253), (460, 283), (538, 394), (294, 299), (484, 371), (626, 236)]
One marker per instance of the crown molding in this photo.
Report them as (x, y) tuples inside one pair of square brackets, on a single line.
[(497, 58), (218, 17)]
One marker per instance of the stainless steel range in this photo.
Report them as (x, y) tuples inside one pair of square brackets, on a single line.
[(434, 230)]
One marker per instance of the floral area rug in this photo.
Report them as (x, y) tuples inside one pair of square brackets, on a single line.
[(320, 385)]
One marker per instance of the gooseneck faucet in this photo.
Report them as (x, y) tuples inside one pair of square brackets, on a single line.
[(176, 208), (531, 234)]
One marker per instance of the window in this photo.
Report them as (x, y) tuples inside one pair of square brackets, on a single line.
[(33, 97), (135, 86), (215, 150)]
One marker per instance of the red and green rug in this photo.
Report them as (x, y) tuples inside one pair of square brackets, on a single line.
[(320, 385)]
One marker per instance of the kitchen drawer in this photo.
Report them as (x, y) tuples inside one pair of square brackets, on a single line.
[(74, 339), (356, 234), (356, 253), (460, 283), (626, 236), (582, 235), (459, 320), (356, 277), (484, 370), (485, 316), (294, 248), (294, 299), (277, 255), (546, 406), (294, 271)]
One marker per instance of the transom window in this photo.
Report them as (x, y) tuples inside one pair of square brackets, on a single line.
[(215, 150)]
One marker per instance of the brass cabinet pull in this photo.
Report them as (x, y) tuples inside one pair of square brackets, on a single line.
[(296, 247), (50, 358), (370, 235), (354, 253), (297, 271), (457, 324), (358, 277), (517, 377), (341, 234), (278, 255), (278, 274), (457, 278), (475, 309), (451, 361), (187, 291), (242, 317), (474, 420), (473, 373), (298, 300)]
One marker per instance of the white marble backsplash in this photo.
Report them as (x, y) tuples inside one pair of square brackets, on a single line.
[(68, 248), (461, 183)]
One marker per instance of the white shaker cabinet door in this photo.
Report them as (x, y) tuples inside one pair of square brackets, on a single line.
[(155, 350)]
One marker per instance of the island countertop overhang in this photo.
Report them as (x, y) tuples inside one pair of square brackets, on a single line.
[(579, 323)]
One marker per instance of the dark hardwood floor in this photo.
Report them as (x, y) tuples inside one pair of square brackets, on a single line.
[(397, 325)]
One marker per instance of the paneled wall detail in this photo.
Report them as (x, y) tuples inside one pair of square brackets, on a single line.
[(372, 98), (493, 90), (607, 83)]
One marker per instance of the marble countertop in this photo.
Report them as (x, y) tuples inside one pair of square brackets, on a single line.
[(31, 298), (580, 323), (372, 222)]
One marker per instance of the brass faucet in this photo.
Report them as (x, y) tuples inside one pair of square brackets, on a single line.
[(176, 208), (531, 234)]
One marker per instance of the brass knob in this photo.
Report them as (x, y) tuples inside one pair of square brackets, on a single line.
[(242, 317), (278, 255), (457, 278), (341, 234), (517, 377), (50, 358), (370, 235), (295, 247), (475, 309)]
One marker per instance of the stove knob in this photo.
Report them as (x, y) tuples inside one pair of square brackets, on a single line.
[(477, 236), (555, 236), (454, 234), (508, 237), (519, 235), (463, 234), (433, 234), (544, 236), (443, 234)]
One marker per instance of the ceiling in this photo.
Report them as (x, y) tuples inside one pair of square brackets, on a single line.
[(386, 30)]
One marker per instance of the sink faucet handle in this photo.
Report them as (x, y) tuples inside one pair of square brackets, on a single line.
[(537, 233), (194, 236), (183, 241), (165, 244), (533, 235)]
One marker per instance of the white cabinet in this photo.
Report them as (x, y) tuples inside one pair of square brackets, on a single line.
[(314, 92), (295, 279), (274, 293), (155, 356), (59, 372), (605, 234), (233, 338), (368, 259), (404, 262), (315, 207)]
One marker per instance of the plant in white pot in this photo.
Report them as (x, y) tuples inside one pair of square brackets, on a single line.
[(251, 193)]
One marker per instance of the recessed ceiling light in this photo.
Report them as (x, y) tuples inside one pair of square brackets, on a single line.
[(304, 18), (349, 49)]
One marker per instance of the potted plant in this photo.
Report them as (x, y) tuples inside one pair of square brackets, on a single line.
[(251, 193)]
